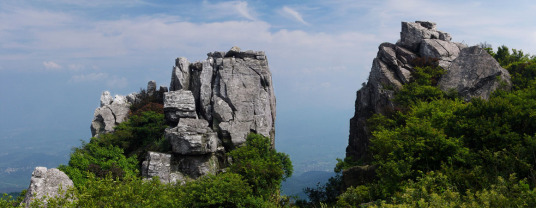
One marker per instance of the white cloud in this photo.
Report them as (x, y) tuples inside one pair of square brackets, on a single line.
[(51, 65), (230, 8), (91, 77), (76, 67), (287, 11), (242, 8), (117, 82)]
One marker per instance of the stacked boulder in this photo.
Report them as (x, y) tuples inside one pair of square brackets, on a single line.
[(471, 71), (212, 106)]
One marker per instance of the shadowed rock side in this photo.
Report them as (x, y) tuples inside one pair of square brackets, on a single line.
[(471, 71), (212, 106)]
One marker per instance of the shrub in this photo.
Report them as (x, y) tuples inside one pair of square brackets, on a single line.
[(261, 166)]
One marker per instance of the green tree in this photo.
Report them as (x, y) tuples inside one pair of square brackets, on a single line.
[(261, 166), (100, 161)]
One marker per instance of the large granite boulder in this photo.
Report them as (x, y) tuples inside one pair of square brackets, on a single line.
[(470, 71), (474, 74), (46, 183)]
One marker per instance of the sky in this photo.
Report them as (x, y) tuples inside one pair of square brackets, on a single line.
[(57, 56)]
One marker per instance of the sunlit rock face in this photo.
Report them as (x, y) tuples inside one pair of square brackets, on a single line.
[(212, 106), (46, 183)]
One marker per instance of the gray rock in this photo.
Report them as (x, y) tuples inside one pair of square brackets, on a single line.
[(106, 98), (157, 164), (214, 104), (46, 183), (202, 87), (180, 77), (179, 168), (119, 99), (107, 117), (443, 50), (132, 97), (192, 137), (196, 166), (179, 104), (244, 84), (151, 87), (413, 33), (163, 89), (474, 74)]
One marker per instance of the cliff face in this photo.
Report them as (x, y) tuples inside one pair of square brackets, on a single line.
[(469, 70)]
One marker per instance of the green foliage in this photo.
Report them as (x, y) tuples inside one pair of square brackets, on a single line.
[(348, 162), (522, 67), (326, 193), (261, 166), (7, 200), (143, 99), (439, 151), (435, 190), (222, 190), (504, 57), (421, 88), (93, 159), (139, 134)]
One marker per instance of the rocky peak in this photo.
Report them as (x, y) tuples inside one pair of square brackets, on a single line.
[(471, 71), (113, 111), (212, 106)]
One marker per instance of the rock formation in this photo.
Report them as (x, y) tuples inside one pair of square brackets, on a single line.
[(110, 113), (46, 182), (212, 106), (469, 70), (113, 111)]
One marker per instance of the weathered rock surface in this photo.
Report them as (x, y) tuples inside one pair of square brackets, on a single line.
[(46, 182), (214, 104), (109, 116), (179, 104), (151, 87), (470, 71), (232, 91), (474, 74), (180, 78), (157, 164), (193, 137)]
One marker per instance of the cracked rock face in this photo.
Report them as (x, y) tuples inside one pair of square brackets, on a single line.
[(179, 104), (46, 182), (231, 90), (212, 106), (470, 71), (193, 137)]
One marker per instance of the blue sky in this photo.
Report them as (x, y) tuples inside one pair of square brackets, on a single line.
[(57, 56)]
